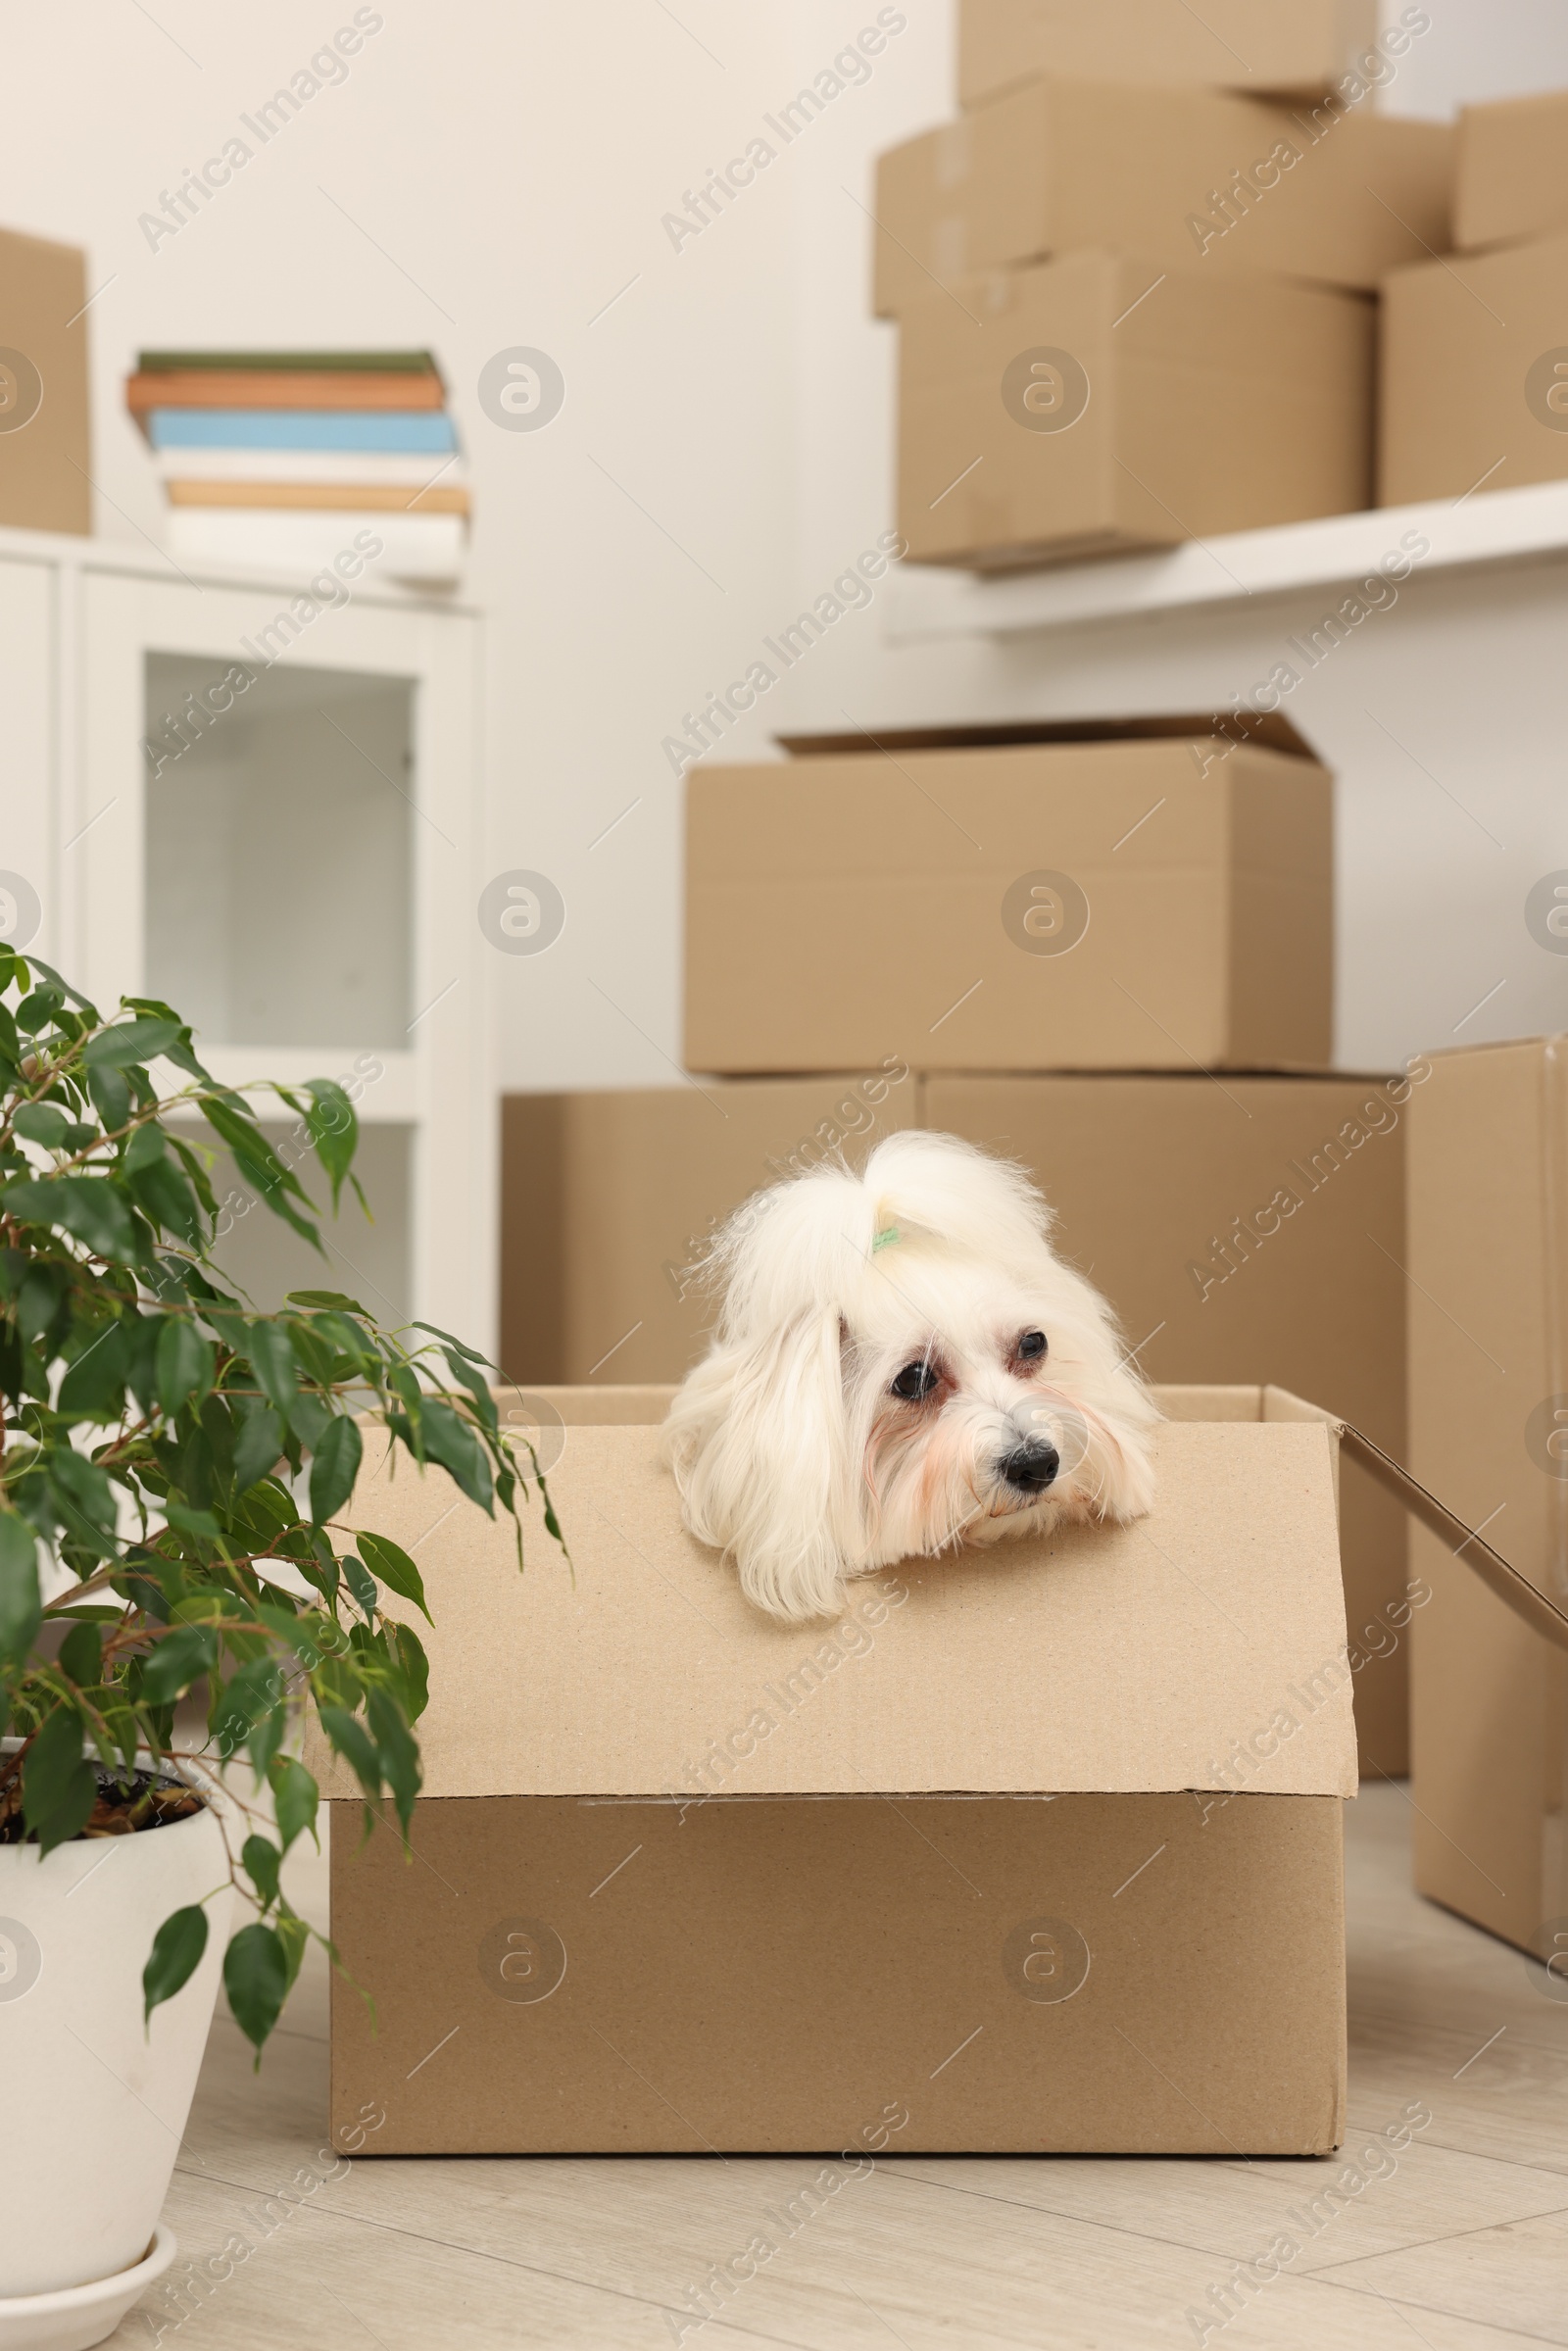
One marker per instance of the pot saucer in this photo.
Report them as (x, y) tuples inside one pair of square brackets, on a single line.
[(79, 2315)]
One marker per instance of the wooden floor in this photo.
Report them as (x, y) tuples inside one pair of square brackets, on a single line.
[(1464, 2248)]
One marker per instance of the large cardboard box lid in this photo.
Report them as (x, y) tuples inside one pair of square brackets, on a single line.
[(1117, 1659)]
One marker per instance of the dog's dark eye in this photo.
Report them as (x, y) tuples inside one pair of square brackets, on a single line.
[(916, 1382), (1032, 1345)]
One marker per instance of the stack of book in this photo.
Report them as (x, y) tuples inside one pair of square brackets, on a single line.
[(283, 458)]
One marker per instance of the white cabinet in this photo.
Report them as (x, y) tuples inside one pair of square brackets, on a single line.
[(263, 803)]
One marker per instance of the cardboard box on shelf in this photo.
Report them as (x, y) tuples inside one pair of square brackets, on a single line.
[(1511, 183), (1176, 175), (1256, 45), (1099, 402), (1131, 1967), (44, 458), (1489, 1432), (1141, 903), (610, 1203), (1474, 375), (1250, 1226)]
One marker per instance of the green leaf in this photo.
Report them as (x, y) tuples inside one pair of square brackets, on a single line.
[(257, 1446), (178, 1659), (262, 1862), (295, 1797), (200, 1180), (250, 1698), (398, 1753), (57, 1786), (111, 1097), (271, 1356), (294, 1934), (353, 1743), (21, 1611), (360, 1585), (325, 1297), (164, 1195), (178, 1949), (453, 1444), (391, 1565), (43, 1122), (256, 1980), (130, 1041), (258, 1163), (84, 1497), (36, 1013), (94, 1387), (484, 1403), (38, 1299), (180, 1052), (88, 1208), (308, 1416), (334, 1467), (184, 1364), (82, 1655), (334, 1130), (415, 1666), (470, 1354), (186, 1521)]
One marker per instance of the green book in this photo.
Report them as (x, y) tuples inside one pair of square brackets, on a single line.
[(292, 363)]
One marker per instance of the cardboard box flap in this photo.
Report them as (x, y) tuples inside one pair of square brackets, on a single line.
[(1118, 1659), (1540, 1614)]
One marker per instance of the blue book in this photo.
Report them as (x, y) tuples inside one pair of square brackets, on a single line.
[(394, 431)]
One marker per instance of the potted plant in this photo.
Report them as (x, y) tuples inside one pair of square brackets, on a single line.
[(175, 1470)]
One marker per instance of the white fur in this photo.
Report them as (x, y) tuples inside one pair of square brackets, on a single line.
[(792, 1454)]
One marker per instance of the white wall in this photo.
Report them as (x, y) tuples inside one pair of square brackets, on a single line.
[(505, 170)]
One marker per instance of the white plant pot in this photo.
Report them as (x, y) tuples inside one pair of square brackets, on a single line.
[(94, 2104)]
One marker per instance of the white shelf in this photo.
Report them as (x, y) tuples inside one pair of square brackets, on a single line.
[(231, 848), (388, 1098), (123, 559), (1488, 527)]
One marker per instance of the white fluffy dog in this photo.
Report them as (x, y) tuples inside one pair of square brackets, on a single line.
[(900, 1365)]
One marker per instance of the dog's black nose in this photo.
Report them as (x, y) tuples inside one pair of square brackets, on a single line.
[(1032, 1467)]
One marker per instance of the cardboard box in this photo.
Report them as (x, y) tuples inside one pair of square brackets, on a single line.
[(1175, 1196), (1178, 175), (1489, 1430), (1512, 170), (696, 1881), (1099, 402), (610, 1203), (1198, 1291), (1257, 45), (1474, 373), (45, 460), (1144, 903)]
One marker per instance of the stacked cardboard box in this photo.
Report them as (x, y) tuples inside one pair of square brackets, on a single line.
[(1489, 1430), (45, 467), (1475, 350), (1106, 954), (1134, 305)]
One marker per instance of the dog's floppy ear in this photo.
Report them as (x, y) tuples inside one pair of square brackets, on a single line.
[(758, 1444)]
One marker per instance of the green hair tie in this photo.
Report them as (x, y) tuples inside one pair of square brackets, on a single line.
[(885, 1240)]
